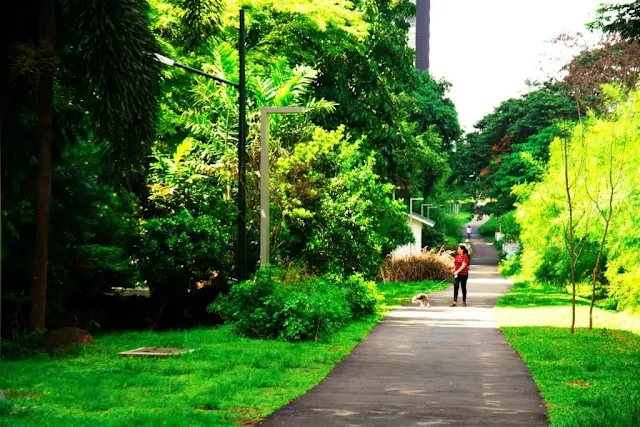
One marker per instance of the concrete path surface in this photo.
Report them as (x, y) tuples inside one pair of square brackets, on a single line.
[(440, 366)]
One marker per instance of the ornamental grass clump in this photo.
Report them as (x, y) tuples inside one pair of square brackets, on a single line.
[(414, 268)]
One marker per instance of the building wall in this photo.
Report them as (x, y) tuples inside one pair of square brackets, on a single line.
[(411, 248), (422, 33)]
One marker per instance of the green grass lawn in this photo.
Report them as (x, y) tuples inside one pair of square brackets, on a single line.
[(227, 381), (591, 378)]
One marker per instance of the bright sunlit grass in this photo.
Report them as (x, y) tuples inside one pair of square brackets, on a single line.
[(228, 380), (589, 378)]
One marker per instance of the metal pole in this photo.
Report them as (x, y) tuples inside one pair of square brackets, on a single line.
[(264, 187), (264, 176), (242, 139), (411, 199)]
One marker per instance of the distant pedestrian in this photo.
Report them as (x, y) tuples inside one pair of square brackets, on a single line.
[(467, 244), (468, 231), (460, 275)]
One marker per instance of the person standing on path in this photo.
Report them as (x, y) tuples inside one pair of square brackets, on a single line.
[(468, 231), (460, 275)]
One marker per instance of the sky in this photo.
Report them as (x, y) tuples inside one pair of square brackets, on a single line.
[(487, 49)]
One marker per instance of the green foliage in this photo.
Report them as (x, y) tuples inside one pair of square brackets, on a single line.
[(432, 238), (313, 308), (92, 238), (199, 21), (622, 19), (367, 71), (505, 224), (121, 93), (346, 63), (362, 296), (511, 266), (511, 146), (179, 250), (333, 213), (450, 224), (22, 344), (489, 228), (602, 167)]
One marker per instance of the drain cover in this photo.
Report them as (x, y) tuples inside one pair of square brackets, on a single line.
[(156, 351)]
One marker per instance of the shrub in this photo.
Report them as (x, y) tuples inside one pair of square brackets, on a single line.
[(314, 309), (23, 344), (362, 295), (178, 251), (414, 268), (511, 266), (311, 309), (450, 224), (432, 238)]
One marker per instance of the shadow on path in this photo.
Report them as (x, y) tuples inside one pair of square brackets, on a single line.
[(429, 367)]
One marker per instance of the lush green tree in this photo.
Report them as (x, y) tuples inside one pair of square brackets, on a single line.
[(622, 19), (517, 133), (366, 68), (596, 165), (63, 45), (332, 212), (612, 62), (280, 34)]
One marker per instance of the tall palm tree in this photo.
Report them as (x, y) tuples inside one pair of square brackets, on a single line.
[(98, 49)]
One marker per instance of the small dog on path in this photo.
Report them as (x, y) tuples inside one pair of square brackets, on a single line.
[(422, 299)]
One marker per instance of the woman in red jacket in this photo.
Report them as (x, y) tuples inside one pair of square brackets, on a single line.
[(460, 275)]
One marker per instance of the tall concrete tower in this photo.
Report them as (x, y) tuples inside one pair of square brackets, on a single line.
[(422, 33)]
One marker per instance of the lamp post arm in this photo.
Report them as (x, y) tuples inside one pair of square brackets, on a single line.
[(173, 63), (202, 73)]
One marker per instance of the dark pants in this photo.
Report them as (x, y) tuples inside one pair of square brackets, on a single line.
[(457, 282)]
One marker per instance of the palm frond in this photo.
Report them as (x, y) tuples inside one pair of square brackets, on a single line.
[(115, 40), (200, 21)]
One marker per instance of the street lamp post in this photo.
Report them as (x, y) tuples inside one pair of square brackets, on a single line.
[(411, 203), (264, 175), (241, 252), (429, 206)]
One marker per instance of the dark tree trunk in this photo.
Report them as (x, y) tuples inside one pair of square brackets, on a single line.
[(43, 198)]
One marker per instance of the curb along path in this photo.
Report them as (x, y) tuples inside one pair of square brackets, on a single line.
[(429, 367)]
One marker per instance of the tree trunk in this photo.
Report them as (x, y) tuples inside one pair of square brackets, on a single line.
[(600, 251), (43, 197), (571, 242)]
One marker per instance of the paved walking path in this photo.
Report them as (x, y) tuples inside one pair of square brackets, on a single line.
[(429, 367)]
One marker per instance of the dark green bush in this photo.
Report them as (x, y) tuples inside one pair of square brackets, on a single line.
[(311, 309), (362, 295), (178, 251), (432, 238)]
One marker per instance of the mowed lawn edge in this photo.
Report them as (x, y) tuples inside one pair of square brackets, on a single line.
[(227, 381), (586, 379)]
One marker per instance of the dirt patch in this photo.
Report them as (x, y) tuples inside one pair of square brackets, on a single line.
[(65, 338), (579, 383)]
